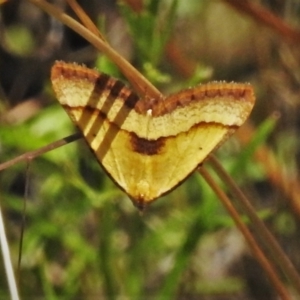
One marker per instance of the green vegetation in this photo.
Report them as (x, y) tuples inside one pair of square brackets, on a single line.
[(83, 237)]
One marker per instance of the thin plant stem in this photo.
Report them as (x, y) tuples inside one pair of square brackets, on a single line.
[(139, 82), (279, 257), (7, 262), (23, 224), (265, 17), (40, 151), (84, 18), (269, 269)]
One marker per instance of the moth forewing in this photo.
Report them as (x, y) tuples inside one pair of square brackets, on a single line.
[(149, 147)]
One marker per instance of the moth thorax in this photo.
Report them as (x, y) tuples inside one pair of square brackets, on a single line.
[(149, 112)]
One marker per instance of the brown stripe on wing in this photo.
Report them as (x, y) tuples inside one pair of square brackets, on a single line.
[(102, 95), (144, 146), (158, 106), (117, 89), (73, 71), (210, 91), (102, 83)]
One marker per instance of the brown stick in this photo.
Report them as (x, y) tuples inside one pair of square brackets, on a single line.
[(262, 231), (265, 17), (139, 82), (32, 154), (264, 262)]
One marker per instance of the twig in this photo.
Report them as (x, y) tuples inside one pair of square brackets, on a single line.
[(35, 153), (23, 224), (84, 18), (269, 269), (264, 234), (7, 262), (264, 16), (139, 82)]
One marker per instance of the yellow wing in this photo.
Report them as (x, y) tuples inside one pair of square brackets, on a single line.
[(149, 146)]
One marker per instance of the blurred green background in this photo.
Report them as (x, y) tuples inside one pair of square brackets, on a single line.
[(83, 237)]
